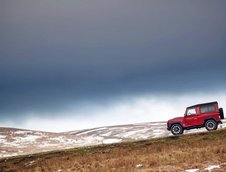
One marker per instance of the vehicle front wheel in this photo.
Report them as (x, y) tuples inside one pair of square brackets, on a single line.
[(177, 129), (211, 125)]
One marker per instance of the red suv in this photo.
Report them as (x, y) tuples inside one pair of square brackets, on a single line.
[(202, 115)]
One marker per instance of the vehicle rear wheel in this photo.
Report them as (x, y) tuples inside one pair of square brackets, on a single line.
[(211, 125), (177, 129)]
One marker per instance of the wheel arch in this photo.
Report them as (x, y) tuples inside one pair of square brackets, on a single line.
[(177, 122), (209, 118)]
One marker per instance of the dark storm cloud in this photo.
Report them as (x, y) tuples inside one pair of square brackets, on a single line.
[(54, 53)]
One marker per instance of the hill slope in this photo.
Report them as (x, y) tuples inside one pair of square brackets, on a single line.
[(203, 151), (15, 142)]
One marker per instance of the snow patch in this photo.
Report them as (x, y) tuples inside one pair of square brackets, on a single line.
[(46, 145), (2, 137), (93, 140), (23, 132), (58, 139), (158, 124), (139, 165), (29, 163), (63, 140), (8, 155), (29, 139), (212, 167), (192, 170), (158, 133), (110, 141), (90, 131)]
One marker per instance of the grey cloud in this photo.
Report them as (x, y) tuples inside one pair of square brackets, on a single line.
[(54, 53)]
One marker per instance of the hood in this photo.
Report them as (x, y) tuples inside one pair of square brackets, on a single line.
[(176, 119)]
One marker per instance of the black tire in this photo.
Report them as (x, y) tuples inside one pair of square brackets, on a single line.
[(221, 112), (176, 129), (211, 125)]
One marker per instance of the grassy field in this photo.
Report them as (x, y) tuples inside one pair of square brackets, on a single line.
[(163, 154)]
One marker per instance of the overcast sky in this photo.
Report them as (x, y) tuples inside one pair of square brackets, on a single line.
[(82, 64)]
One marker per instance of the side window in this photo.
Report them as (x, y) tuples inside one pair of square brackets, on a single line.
[(191, 111), (207, 109)]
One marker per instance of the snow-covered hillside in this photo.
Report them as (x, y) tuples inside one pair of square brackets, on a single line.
[(17, 142)]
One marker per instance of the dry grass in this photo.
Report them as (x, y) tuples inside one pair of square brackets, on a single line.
[(164, 154)]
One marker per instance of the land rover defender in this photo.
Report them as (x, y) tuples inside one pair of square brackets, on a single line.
[(206, 115)]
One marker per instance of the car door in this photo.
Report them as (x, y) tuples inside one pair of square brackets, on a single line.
[(191, 117)]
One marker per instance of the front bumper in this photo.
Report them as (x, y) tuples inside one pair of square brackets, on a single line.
[(168, 128)]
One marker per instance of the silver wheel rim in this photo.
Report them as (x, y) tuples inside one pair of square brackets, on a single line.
[(210, 125), (176, 129)]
